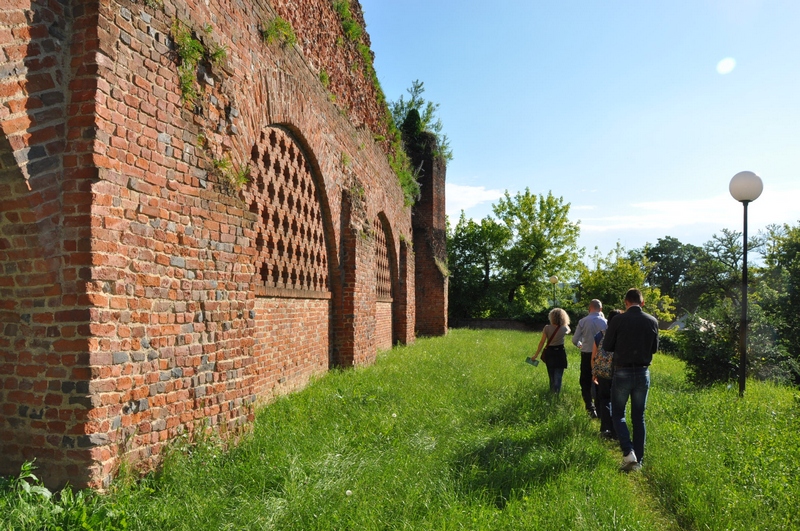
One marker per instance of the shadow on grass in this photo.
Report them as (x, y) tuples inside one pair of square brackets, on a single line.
[(521, 444)]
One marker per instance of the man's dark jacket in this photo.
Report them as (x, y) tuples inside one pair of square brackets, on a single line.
[(632, 337)]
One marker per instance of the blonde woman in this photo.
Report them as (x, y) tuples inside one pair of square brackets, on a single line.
[(555, 356)]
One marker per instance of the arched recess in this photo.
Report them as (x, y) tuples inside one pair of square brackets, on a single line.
[(386, 279), (295, 261)]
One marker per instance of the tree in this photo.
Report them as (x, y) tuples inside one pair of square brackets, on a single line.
[(716, 273), (671, 261), (779, 293), (500, 267), (613, 275), (711, 339), (473, 251), (543, 242), (427, 113)]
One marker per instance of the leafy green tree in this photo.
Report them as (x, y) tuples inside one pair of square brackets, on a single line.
[(500, 267), (543, 242), (427, 114), (716, 272), (473, 251), (779, 293), (710, 346), (671, 261), (711, 339), (613, 275)]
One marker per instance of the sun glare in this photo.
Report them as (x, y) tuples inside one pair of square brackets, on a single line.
[(726, 66)]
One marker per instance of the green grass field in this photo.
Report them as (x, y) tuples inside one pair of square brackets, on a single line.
[(459, 433)]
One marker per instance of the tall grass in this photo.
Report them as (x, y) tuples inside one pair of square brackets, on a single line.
[(717, 461), (459, 433)]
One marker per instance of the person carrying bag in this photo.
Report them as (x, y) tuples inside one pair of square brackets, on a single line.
[(555, 355)]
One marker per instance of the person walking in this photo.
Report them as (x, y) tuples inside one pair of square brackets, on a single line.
[(633, 338), (554, 356), (583, 338), (603, 371)]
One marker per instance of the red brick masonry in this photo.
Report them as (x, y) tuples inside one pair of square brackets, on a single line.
[(142, 294)]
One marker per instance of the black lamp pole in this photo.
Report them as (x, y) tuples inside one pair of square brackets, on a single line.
[(745, 187), (743, 324)]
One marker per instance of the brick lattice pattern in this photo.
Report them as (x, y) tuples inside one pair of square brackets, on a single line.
[(384, 278), (290, 246)]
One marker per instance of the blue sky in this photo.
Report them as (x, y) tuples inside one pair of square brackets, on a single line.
[(636, 113)]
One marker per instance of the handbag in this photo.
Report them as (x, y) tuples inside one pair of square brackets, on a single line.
[(603, 362), (549, 339)]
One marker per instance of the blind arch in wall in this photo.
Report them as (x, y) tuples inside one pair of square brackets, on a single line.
[(291, 255), (385, 280), (382, 271)]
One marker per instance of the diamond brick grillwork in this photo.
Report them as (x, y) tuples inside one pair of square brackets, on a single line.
[(290, 244), (384, 279)]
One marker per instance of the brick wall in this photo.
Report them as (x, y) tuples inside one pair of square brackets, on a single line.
[(143, 295), (430, 239), (45, 165)]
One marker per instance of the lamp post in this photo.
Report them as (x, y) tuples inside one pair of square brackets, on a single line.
[(745, 187), (554, 281)]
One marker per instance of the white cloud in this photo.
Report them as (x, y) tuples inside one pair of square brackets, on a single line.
[(774, 206), (460, 197), (692, 221)]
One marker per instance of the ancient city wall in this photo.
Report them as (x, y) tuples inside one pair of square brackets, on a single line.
[(145, 292)]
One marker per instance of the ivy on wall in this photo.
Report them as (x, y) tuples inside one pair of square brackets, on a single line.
[(396, 154)]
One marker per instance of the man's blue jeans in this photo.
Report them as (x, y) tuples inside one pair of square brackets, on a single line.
[(633, 382)]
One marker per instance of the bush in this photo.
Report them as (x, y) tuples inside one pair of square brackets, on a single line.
[(768, 358), (710, 347), (670, 342)]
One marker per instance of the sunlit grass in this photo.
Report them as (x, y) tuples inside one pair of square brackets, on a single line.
[(454, 432), (459, 433), (723, 462)]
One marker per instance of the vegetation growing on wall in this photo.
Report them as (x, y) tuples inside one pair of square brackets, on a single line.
[(236, 178), (191, 52), (278, 30), (352, 29), (396, 154), (427, 112), (401, 165), (324, 78)]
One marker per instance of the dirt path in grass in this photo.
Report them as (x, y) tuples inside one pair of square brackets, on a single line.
[(645, 492)]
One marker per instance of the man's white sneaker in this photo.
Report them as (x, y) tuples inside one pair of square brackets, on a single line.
[(629, 462)]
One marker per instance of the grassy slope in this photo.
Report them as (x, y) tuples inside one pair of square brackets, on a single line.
[(459, 433)]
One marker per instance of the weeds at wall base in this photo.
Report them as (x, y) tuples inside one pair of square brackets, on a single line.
[(25, 504)]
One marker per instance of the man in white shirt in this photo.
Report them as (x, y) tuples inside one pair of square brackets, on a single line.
[(583, 338)]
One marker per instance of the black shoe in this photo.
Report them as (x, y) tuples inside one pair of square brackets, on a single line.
[(607, 435)]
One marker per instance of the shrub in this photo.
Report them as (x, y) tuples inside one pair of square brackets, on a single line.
[(670, 342), (710, 348), (768, 357), (279, 30)]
